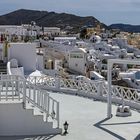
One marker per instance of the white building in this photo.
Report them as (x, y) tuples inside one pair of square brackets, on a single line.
[(52, 31), (25, 54), (77, 60), (131, 73), (131, 77), (19, 31), (70, 40), (12, 29)]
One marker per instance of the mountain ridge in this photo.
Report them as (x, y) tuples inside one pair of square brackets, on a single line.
[(62, 20), (126, 27), (45, 18)]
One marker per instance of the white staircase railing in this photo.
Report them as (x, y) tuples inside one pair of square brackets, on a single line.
[(42, 100), (9, 86), (16, 88)]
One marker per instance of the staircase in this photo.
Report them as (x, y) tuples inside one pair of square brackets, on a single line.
[(3, 67), (25, 109)]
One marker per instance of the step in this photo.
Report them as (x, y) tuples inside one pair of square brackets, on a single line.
[(19, 121), (36, 111), (39, 113)]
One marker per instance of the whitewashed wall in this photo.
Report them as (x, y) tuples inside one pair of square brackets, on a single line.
[(25, 53)]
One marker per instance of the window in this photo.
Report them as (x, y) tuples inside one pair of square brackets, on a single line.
[(76, 55)]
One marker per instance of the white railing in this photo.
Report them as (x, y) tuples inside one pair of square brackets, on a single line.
[(126, 93), (96, 89), (9, 86), (15, 88), (42, 100), (54, 109), (62, 83), (42, 80)]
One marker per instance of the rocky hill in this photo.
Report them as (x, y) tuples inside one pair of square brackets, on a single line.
[(126, 27), (44, 18)]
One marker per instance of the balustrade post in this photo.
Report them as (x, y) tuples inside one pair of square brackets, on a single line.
[(109, 96), (34, 94), (35, 80), (48, 107), (99, 92), (17, 86), (58, 119), (78, 85), (57, 83), (123, 104), (24, 93)]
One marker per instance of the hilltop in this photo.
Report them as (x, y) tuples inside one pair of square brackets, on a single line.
[(47, 19), (126, 27)]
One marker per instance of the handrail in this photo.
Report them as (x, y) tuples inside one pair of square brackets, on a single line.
[(127, 93), (44, 103), (31, 91), (14, 87), (97, 89)]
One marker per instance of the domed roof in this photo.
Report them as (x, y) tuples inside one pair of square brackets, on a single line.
[(95, 39)]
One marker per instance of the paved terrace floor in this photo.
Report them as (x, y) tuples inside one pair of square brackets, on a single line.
[(87, 121)]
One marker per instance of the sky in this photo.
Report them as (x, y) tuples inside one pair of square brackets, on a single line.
[(107, 11)]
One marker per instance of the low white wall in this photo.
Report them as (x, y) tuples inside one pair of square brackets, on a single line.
[(14, 121), (18, 71)]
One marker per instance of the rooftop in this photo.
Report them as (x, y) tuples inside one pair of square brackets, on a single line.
[(87, 121)]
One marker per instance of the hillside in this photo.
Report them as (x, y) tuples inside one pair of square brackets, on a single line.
[(126, 27), (44, 18)]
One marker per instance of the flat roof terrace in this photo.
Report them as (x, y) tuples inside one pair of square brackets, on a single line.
[(87, 121)]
